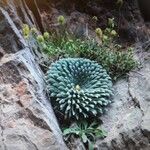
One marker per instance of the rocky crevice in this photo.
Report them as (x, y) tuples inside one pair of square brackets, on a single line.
[(134, 99), (32, 5)]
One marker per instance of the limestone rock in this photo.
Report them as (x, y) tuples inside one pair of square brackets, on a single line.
[(27, 120)]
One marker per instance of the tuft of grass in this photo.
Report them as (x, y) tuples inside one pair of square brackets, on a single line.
[(86, 132), (116, 61), (61, 44)]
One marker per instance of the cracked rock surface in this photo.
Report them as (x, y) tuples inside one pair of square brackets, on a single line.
[(128, 118), (27, 121)]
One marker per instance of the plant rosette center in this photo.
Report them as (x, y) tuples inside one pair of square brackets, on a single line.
[(77, 88)]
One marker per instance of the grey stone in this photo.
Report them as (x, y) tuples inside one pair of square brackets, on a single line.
[(128, 118), (27, 120)]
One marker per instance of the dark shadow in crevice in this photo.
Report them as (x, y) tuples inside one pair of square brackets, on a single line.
[(32, 5), (144, 6)]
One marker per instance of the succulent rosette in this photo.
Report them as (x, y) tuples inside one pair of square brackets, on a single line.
[(78, 87)]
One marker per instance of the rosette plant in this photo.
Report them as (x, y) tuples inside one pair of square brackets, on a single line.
[(78, 87)]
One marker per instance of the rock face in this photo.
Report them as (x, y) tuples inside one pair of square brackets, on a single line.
[(79, 14), (127, 120), (27, 121)]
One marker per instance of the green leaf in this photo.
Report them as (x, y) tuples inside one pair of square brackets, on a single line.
[(90, 145), (84, 138)]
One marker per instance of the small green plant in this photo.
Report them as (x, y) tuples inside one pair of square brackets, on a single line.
[(26, 31), (111, 23), (80, 88), (86, 132), (99, 32), (61, 20), (119, 3), (95, 18), (33, 30), (118, 63), (46, 35), (116, 60), (40, 39)]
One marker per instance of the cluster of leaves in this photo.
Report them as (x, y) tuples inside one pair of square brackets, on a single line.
[(116, 60), (111, 56), (86, 132), (80, 88)]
